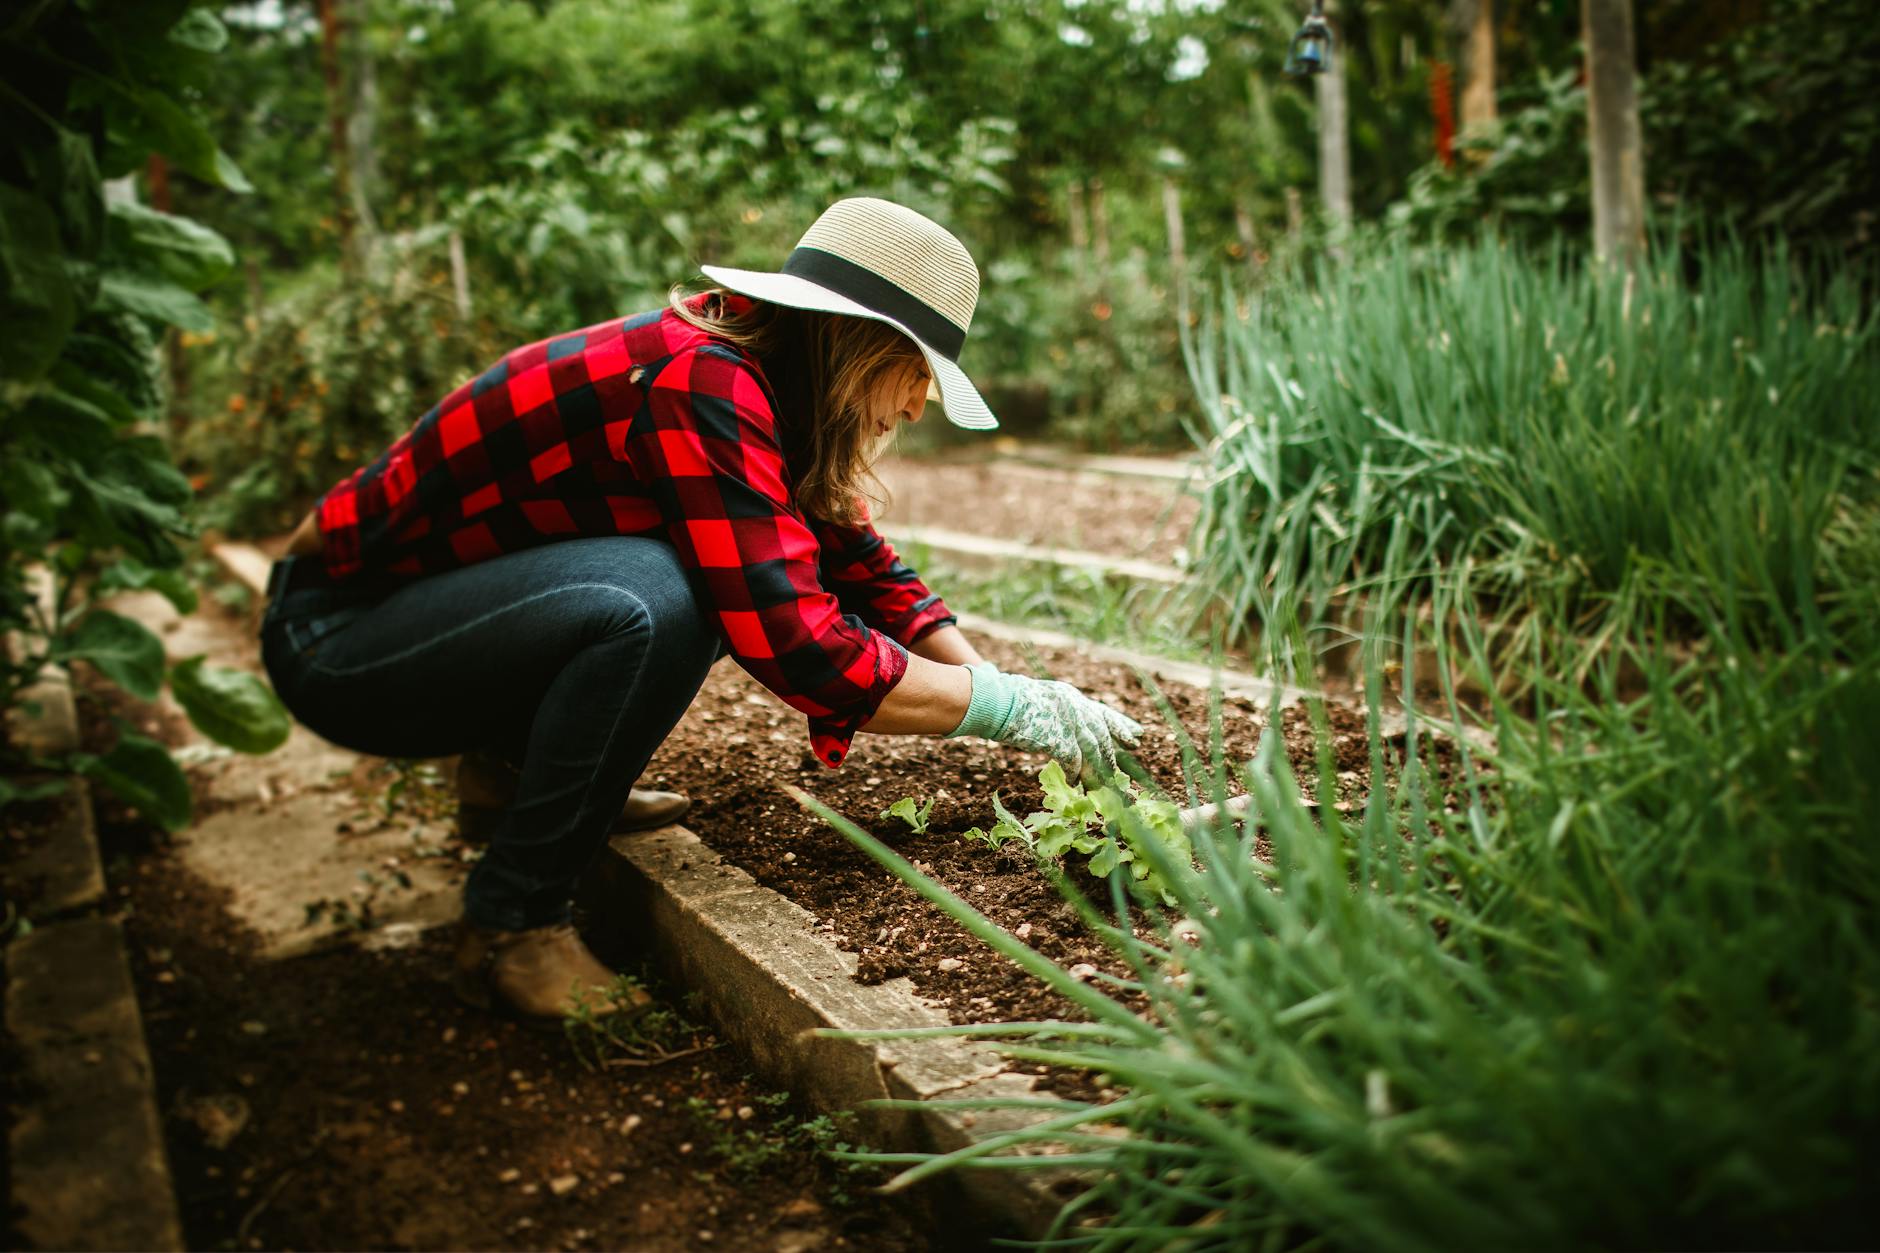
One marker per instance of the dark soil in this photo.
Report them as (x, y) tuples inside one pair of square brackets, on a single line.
[(347, 1101), (738, 745)]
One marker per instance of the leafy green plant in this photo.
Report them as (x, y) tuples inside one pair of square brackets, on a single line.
[(1630, 964), (914, 814), (92, 500), (1562, 434), (1091, 823)]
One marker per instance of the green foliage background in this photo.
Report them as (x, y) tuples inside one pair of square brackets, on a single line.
[(92, 501)]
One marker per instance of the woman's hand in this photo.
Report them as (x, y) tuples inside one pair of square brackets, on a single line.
[(1044, 715)]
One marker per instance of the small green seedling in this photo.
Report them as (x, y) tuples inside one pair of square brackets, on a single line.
[(1093, 824), (912, 814), (1005, 830)]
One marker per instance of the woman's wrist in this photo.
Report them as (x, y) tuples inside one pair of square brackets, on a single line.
[(991, 706)]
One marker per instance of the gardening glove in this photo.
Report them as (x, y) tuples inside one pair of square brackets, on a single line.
[(1047, 716)]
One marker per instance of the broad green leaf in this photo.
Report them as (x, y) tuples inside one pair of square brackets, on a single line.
[(65, 173), (185, 252), (142, 773), (1065, 798), (154, 298), (37, 303), (67, 424), (232, 707), (201, 30), (1105, 859), (129, 574), (123, 650)]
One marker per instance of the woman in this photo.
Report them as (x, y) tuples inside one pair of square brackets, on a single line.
[(542, 570)]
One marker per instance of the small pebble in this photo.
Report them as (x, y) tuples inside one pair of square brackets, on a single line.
[(562, 1185), (746, 1113), (1024, 931), (954, 963), (509, 1176), (1083, 972), (628, 1123), (789, 856), (686, 1147)]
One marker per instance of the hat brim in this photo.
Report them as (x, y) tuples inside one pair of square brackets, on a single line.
[(959, 399)]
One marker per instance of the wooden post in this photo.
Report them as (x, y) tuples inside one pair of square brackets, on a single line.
[(1295, 214), (459, 277), (1177, 244), (1614, 145), (1334, 139), (1099, 227), (1249, 243), (1080, 231)]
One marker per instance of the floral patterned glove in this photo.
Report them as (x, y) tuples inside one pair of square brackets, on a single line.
[(1044, 715)]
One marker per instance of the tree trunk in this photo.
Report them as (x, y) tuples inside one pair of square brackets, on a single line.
[(362, 127), (1334, 139), (336, 117), (1473, 22), (1613, 140)]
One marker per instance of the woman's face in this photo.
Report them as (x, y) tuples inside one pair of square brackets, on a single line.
[(899, 398)]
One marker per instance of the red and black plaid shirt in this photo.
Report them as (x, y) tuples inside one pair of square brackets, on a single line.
[(647, 426)]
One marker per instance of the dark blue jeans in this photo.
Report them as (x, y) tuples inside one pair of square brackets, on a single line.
[(573, 659)]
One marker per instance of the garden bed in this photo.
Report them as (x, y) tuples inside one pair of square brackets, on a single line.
[(737, 747)]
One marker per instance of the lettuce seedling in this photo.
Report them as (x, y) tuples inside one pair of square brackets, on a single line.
[(912, 814), (1092, 823)]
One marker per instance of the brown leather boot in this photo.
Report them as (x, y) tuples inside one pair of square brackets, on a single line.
[(543, 974), (486, 784)]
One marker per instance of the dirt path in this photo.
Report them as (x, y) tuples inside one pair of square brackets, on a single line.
[(1117, 516), (343, 1099)]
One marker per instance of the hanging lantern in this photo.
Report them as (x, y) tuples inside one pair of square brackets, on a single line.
[(1311, 49)]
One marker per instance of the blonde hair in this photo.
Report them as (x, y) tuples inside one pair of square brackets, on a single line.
[(846, 360)]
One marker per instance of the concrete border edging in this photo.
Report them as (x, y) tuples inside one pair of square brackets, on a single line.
[(771, 979), (88, 1168)]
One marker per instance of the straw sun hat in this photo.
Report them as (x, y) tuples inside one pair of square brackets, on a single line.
[(877, 259)]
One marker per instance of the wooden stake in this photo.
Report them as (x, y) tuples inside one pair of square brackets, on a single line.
[(459, 277), (1295, 214), (1177, 244), (1249, 244), (1080, 230), (1100, 229)]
